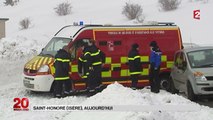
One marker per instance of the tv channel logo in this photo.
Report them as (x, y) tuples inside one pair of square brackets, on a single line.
[(196, 14)]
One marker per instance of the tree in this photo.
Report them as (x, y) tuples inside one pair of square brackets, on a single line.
[(168, 5), (63, 9), (132, 11), (25, 23)]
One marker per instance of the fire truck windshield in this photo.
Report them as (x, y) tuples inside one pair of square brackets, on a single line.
[(68, 31), (54, 45)]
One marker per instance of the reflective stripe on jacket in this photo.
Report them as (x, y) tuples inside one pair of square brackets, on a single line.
[(134, 62), (82, 68), (61, 65), (94, 56)]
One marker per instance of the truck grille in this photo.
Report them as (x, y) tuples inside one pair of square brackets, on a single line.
[(27, 78), (28, 85), (208, 89), (30, 71), (209, 77)]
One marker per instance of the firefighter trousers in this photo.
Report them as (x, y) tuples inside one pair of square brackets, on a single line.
[(94, 77), (134, 79), (154, 79), (59, 84)]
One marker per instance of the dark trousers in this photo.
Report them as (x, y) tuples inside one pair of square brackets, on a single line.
[(59, 86), (154, 79), (86, 82), (94, 78), (134, 79)]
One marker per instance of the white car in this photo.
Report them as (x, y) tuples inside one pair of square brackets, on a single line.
[(192, 72)]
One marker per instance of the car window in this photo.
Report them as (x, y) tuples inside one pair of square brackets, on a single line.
[(180, 60), (177, 57), (201, 58)]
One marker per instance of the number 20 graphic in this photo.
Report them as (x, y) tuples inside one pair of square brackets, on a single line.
[(21, 104)]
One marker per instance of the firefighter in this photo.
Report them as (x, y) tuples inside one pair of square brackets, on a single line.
[(61, 64), (155, 61), (95, 59), (134, 65), (82, 68)]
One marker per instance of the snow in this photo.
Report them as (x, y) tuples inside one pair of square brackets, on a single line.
[(21, 45), (114, 94)]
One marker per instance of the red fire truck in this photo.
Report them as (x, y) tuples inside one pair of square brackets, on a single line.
[(115, 41)]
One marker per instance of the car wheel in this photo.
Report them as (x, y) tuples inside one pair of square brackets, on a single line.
[(173, 89), (190, 93)]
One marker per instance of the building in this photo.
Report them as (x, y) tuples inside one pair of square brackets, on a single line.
[(2, 27)]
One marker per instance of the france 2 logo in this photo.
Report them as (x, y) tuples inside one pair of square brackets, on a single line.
[(196, 14), (21, 104)]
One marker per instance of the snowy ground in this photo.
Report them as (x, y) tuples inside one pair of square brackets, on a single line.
[(20, 45), (173, 107)]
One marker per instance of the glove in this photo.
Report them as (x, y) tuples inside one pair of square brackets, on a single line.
[(102, 65), (80, 74), (91, 68)]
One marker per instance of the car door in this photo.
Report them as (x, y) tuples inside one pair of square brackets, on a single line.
[(179, 74), (174, 73), (181, 71)]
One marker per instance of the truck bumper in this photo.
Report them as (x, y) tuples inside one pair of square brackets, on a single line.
[(41, 83)]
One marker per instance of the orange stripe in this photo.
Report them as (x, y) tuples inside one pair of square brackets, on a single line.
[(127, 81), (39, 63), (94, 37), (35, 64), (27, 66), (30, 66), (50, 60), (45, 60), (179, 36)]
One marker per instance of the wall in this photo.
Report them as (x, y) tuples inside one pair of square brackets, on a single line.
[(2, 27)]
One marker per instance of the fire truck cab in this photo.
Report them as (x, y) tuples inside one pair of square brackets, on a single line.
[(115, 41)]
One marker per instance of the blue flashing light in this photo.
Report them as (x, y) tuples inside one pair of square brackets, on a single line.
[(81, 23)]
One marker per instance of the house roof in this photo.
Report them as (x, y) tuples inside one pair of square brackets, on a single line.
[(4, 19)]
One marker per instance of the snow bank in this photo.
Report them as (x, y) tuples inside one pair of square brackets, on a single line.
[(19, 47), (17, 90), (116, 94), (139, 97)]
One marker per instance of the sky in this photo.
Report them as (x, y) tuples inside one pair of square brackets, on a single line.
[(21, 45)]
